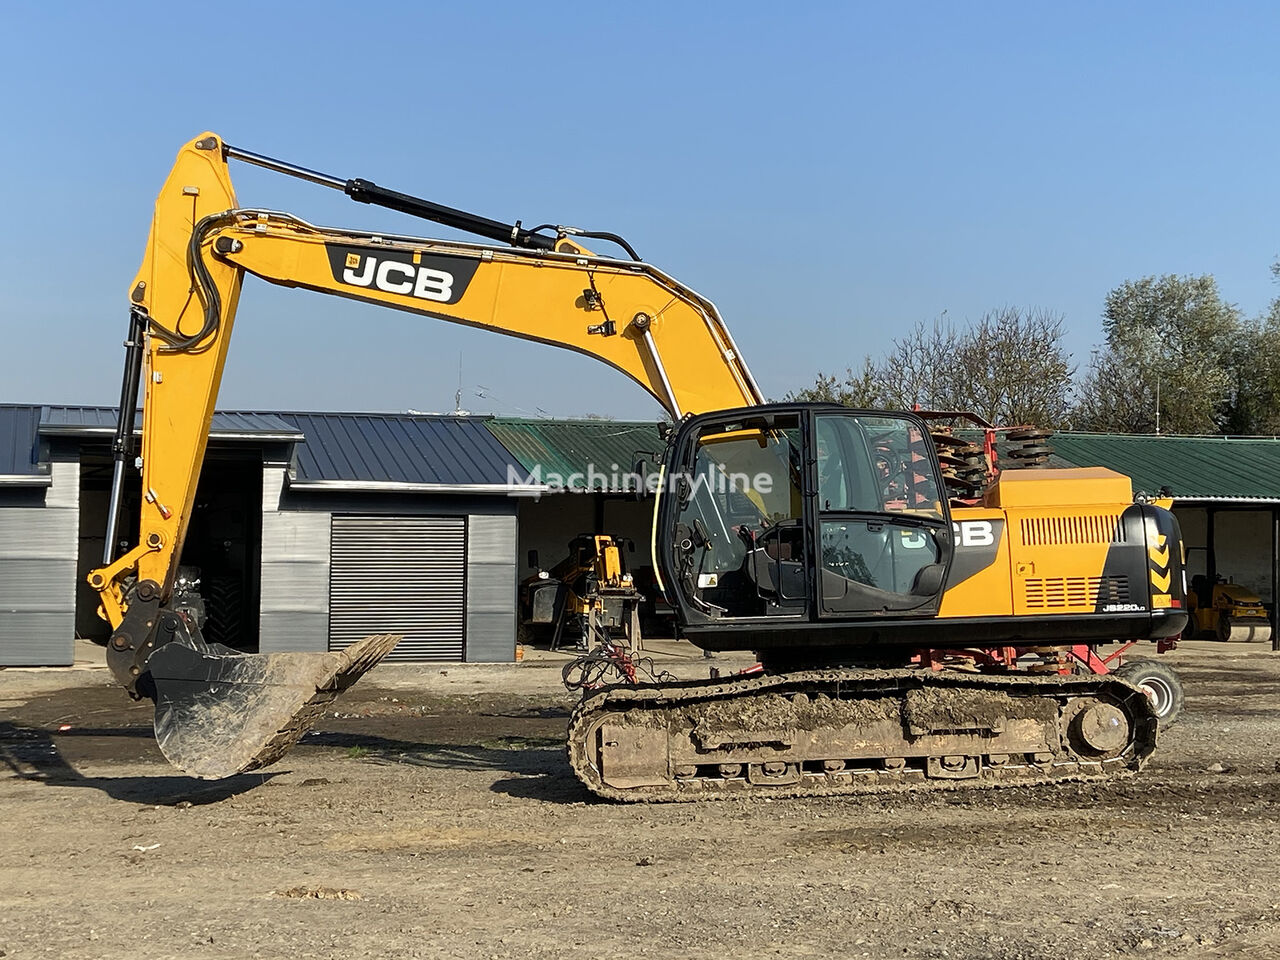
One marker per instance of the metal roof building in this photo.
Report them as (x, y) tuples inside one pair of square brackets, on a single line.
[(569, 450), (1190, 468), (405, 452), (19, 458), (312, 529), (88, 421)]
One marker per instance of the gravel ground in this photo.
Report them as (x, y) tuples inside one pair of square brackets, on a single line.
[(435, 816)]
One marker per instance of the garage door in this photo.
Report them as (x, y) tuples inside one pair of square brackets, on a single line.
[(399, 575)]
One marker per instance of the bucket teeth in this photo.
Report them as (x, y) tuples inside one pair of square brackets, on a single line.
[(222, 713)]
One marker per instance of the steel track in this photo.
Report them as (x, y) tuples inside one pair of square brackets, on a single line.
[(850, 731)]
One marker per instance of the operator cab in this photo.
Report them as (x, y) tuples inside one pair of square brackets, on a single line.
[(797, 514)]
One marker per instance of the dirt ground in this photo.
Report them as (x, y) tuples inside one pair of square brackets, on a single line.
[(435, 816)]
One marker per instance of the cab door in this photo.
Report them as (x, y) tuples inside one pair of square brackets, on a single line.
[(881, 525)]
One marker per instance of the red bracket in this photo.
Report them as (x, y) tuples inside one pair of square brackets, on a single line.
[(1088, 655)]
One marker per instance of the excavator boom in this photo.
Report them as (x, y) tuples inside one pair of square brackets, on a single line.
[(528, 284)]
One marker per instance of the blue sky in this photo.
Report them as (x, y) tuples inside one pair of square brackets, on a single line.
[(828, 173)]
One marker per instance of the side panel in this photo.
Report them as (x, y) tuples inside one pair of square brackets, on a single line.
[(978, 583), (295, 573), (1060, 560), (38, 548), (491, 588)]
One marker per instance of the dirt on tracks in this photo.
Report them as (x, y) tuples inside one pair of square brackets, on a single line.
[(436, 816)]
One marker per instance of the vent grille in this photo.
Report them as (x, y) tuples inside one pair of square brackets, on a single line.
[(1096, 528), (1075, 592)]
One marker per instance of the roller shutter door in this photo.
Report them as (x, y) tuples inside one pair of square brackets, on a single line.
[(399, 575)]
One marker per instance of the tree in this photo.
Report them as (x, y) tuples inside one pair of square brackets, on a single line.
[(1173, 345), (856, 390), (1273, 312), (1013, 368), (1256, 363), (1008, 367)]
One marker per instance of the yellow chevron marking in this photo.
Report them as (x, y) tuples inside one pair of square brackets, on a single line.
[(1159, 557), (1161, 583), (1160, 539)]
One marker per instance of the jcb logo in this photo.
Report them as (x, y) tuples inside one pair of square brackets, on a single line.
[(974, 533), (392, 276), (437, 278)]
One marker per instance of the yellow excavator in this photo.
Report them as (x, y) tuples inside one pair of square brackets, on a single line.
[(904, 642)]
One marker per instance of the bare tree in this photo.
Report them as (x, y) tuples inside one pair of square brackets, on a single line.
[(1009, 367), (1015, 368), (1110, 398)]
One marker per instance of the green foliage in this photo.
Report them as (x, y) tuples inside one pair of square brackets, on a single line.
[(1256, 409), (856, 390), (1171, 346)]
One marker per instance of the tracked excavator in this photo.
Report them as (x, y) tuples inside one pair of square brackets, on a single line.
[(904, 642)]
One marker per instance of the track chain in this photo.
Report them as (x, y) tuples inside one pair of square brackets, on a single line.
[(656, 705)]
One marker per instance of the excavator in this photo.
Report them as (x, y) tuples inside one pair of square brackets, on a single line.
[(905, 642)]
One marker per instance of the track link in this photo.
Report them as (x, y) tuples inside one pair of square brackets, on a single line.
[(829, 732)]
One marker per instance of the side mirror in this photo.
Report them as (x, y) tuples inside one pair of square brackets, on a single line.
[(533, 560)]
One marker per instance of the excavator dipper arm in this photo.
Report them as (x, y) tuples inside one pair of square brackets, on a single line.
[(625, 313)]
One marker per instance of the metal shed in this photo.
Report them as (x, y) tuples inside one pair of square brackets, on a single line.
[(311, 530), (1226, 496), (587, 462), (39, 528), (392, 523)]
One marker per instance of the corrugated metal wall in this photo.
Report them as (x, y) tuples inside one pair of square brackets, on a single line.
[(39, 542), (296, 558), (404, 575), (491, 588), (294, 613)]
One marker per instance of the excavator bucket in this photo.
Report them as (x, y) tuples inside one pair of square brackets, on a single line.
[(219, 712)]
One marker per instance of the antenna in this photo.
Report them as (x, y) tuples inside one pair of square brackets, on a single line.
[(457, 397)]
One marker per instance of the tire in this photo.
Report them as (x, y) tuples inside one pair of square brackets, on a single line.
[(1224, 628), (1161, 684), (224, 606), (1192, 629)]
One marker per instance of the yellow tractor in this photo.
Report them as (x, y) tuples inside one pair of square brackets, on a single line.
[(591, 590)]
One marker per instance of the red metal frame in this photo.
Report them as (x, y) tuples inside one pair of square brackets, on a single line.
[(1006, 657), (935, 657)]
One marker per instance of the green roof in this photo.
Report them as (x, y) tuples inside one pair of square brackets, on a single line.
[(562, 451), (1193, 468)]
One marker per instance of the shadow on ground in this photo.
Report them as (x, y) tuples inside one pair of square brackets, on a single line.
[(529, 767), (30, 754), (538, 767)]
